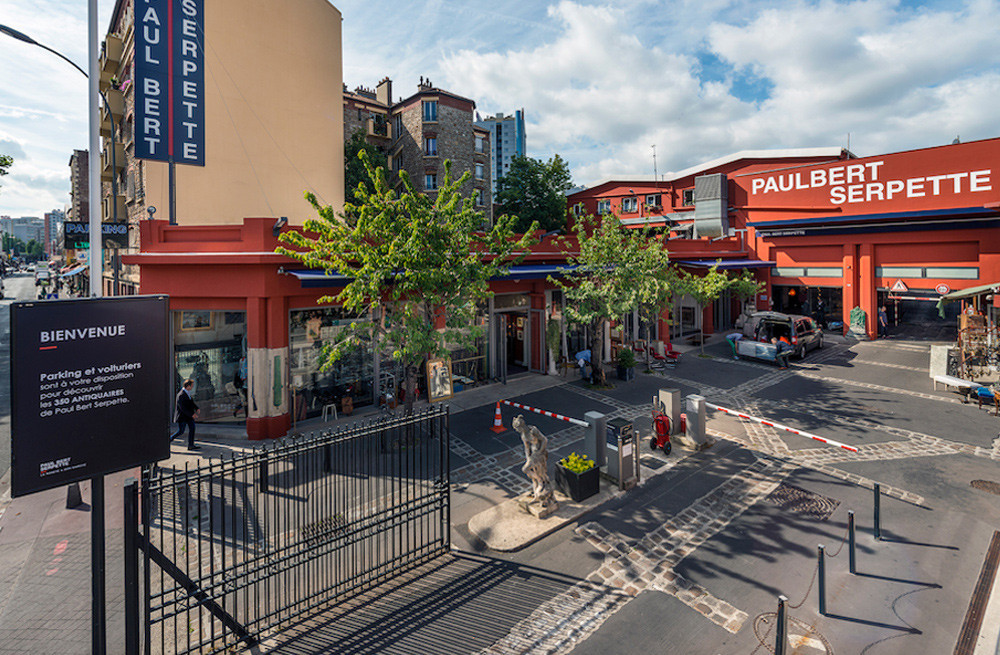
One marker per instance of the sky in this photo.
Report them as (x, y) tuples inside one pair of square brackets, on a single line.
[(601, 84)]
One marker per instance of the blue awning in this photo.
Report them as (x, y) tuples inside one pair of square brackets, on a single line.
[(725, 264), (958, 212), (75, 270), (312, 278), (534, 271)]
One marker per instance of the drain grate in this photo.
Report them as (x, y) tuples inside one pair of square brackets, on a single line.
[(800, 501), (651, 462), (986, 485)]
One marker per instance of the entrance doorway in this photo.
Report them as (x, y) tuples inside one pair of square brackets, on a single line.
[(517, 342), (790, 299)]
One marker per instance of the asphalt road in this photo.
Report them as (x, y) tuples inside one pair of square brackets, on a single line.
[(18, 286)]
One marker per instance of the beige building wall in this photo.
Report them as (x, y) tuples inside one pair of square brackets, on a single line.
[(274, 116)]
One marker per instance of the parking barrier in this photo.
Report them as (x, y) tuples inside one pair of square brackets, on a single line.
[(781, 639), (574, 421), (878, 518), (779, 426)]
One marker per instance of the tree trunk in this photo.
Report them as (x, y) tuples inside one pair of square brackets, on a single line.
[(410, 377), (597, 353)]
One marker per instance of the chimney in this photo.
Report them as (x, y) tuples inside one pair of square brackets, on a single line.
[(383, 92)]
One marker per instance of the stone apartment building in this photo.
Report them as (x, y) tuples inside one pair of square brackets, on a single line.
[(420, 132)]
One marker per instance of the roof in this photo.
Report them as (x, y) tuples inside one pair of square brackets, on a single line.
[(833, 152)]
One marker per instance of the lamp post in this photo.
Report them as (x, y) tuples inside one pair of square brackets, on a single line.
[(95, 142)]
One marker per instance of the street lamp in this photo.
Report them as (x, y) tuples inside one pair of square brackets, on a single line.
[(94, 174)]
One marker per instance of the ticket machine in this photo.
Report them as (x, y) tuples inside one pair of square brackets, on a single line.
[(622, 466)]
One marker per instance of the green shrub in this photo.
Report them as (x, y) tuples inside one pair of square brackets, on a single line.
[(626, 358), (576, 463)]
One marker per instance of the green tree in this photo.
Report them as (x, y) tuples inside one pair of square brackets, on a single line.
[(534, 191), (33, 250), (411, 261), (6, 161), (354, 169), (745, 287), (613, 271), (704, 289)]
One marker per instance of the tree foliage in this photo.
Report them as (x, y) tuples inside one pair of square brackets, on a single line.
[(354, 169), (411, 260), (534, 191), (616, 270), (705, 289)]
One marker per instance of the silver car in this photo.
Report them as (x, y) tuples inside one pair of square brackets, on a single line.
[(802, 331)]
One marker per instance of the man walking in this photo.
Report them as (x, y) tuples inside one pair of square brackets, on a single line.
[(185, 409), (883, 322)]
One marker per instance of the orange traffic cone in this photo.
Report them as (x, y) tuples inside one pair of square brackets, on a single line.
[(498, 421)]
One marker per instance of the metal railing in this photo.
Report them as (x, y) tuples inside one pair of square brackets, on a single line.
[(232, 550)]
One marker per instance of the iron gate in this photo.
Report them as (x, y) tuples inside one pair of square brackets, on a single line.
[(227, 552)]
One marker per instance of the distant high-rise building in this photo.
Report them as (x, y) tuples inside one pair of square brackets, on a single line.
[(79, 190), (507, 141), (53, 222)]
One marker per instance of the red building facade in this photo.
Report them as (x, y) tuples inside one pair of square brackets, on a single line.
[(823, 224)]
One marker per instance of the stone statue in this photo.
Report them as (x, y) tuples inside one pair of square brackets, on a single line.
[(536, 467)]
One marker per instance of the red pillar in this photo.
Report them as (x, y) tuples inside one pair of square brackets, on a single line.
[(850, 297), (868, 298)]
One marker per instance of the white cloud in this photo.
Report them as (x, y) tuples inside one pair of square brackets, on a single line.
[(609, 86)]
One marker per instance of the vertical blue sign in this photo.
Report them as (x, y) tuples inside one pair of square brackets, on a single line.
[(170, 81)]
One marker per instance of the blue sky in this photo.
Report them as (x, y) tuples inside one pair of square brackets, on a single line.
[(600, 83)]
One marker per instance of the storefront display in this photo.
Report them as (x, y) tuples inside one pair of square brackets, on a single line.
[(210, 348), (351, 376)]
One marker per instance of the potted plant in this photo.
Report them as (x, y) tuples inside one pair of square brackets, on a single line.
[(626, 364), (577, 477)]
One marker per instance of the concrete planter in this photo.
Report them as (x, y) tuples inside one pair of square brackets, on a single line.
[(578, 486), (626, 373)]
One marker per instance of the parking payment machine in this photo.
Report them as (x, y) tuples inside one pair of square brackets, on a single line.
[(622, 453)]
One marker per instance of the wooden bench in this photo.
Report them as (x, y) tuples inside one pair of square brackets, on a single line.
[(951, 381)]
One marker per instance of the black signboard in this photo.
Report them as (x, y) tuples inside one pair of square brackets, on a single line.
[(90, 388), (76, 235)]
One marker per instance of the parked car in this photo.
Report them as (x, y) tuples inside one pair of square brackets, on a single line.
[(804, 333)]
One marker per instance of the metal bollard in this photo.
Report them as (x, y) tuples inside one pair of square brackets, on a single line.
[(850, 542), (781, 639), (878, 521), (822, 579)]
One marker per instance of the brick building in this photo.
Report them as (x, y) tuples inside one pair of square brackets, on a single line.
[(79, 190), (420, 132)]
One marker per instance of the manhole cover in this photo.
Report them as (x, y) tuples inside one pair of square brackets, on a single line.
[(800, 501), (987, 485), (651, 462)]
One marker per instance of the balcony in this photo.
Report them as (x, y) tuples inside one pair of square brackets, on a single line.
[(116, 103), (119, 160), (378, 127), (106, 208), (111, 57)]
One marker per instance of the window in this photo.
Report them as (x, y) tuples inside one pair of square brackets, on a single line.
[(653, 200), (480, 143), (688, 197), (431, 146), (479, 197), (630, 205), (360, 114), (398, 129), (430, 182), (480, 171), (430, 110), (953, 272), (604, 206)]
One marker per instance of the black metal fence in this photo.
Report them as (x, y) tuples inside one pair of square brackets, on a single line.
[(228, 552)]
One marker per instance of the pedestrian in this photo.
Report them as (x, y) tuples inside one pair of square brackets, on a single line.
[(783, 350), (883, 322), (821, 313), (185, 411)]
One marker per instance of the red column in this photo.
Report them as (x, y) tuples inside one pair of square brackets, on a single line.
[(867, 297), (850, 297)]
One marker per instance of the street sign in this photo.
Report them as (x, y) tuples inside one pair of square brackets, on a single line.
[(899, 287), (90, 389), (942, 288), (170, 81)]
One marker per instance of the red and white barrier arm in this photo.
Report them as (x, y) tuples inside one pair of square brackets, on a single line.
[(779, 426), (574, 421)]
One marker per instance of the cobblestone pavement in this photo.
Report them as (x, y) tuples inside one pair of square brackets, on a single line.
[(630, 567)]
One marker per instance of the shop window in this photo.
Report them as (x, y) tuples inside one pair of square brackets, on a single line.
[(352, 375), (953, 272), (210, 348)]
